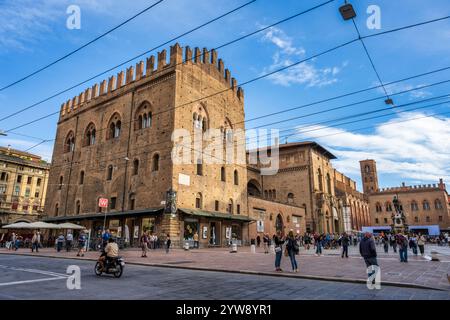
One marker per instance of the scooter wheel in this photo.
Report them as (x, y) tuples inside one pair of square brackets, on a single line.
[(119, 272), (98, 269)]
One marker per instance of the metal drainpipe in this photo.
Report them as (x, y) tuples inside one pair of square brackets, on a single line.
[(128, 151), (70, 169)]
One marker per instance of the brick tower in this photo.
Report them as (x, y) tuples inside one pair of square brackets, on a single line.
[(369, 176)]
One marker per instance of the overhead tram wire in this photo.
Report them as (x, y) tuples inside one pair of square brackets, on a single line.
[(315, 124), (371, 127), (80, 48), (165, 43), (36, 145), (402, 28), (249, 81), (100, 167), (78, 163), (127, 61), (303, 138), (361, 120), (353, 104), (388, 100), (313, 103)]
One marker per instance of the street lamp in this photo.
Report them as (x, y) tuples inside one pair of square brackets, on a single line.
[(2, 133)]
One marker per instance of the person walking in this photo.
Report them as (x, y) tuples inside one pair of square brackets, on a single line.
[(196, 243), (278, 240), (345, 241), (258, 241), (144, 244), (81, 243), (319, 240), (368, 251), (385, 241), (306, 241), (35, 241), (60, 242), (413, 243), (421, 243), (69, 241), (168, 243), (394, 243), (266, 243), (19, 239), (403, 247), (292, 248), (13, 241)]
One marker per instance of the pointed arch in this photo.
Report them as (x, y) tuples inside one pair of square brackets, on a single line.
[(114, 126), (69, 142)]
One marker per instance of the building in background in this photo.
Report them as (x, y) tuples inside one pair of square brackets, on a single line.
[(354, 204), (305, 181), (23, 185), (424, 205)]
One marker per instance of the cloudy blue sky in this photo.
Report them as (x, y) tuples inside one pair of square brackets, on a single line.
[(411, 147)]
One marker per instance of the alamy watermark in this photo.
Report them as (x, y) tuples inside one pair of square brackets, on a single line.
[(74, 280), (74, 19), (374, 277), (374, 20)]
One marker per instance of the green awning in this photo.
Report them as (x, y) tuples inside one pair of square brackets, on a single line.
[(217, 215), (101, 215)]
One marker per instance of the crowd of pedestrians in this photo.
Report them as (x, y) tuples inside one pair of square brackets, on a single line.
[(289, 245)]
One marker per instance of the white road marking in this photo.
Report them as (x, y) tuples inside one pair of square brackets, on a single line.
[(54, 275), (30, 281), (48, 273)]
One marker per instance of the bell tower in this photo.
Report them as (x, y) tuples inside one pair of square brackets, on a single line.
[(369, 175)]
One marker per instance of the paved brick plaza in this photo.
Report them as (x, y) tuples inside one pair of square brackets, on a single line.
[(418, 271)]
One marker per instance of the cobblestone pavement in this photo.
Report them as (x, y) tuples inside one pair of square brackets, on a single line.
[(25, 277), (418, 271)]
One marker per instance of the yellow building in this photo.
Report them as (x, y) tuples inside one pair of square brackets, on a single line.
[(23, 185)]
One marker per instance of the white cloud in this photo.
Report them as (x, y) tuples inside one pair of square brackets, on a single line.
[(305, 73), (408, 146)]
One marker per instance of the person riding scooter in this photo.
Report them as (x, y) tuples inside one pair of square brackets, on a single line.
[(110, 252)]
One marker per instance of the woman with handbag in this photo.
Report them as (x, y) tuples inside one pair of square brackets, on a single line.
[(278, 239), (292, 248)]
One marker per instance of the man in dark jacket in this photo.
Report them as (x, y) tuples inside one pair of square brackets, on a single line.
[(345, 241), (368, 251)]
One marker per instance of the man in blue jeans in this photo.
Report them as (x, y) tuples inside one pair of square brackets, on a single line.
[(403, 247), (319, 245)]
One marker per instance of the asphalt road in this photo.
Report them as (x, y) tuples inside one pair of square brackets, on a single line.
[(25, 277)]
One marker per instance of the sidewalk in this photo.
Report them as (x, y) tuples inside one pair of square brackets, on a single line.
[(418, 272)]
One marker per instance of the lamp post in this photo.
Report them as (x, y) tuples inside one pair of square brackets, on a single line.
[(2, 133)]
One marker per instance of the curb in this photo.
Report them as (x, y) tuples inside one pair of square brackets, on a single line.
[(249, 272)]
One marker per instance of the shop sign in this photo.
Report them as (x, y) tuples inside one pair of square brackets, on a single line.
[(205, 232), (136, 232), (103, 203), (260, 226), (228, 233)]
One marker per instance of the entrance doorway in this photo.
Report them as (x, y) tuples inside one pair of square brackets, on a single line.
[(279, 223), (214, 234)]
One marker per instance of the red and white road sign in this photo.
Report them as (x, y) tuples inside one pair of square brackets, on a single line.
[(103, 203)]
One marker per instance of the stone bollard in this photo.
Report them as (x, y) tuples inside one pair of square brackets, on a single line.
[(186, 246), (233, 248), (253, 248), (434, 255)]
